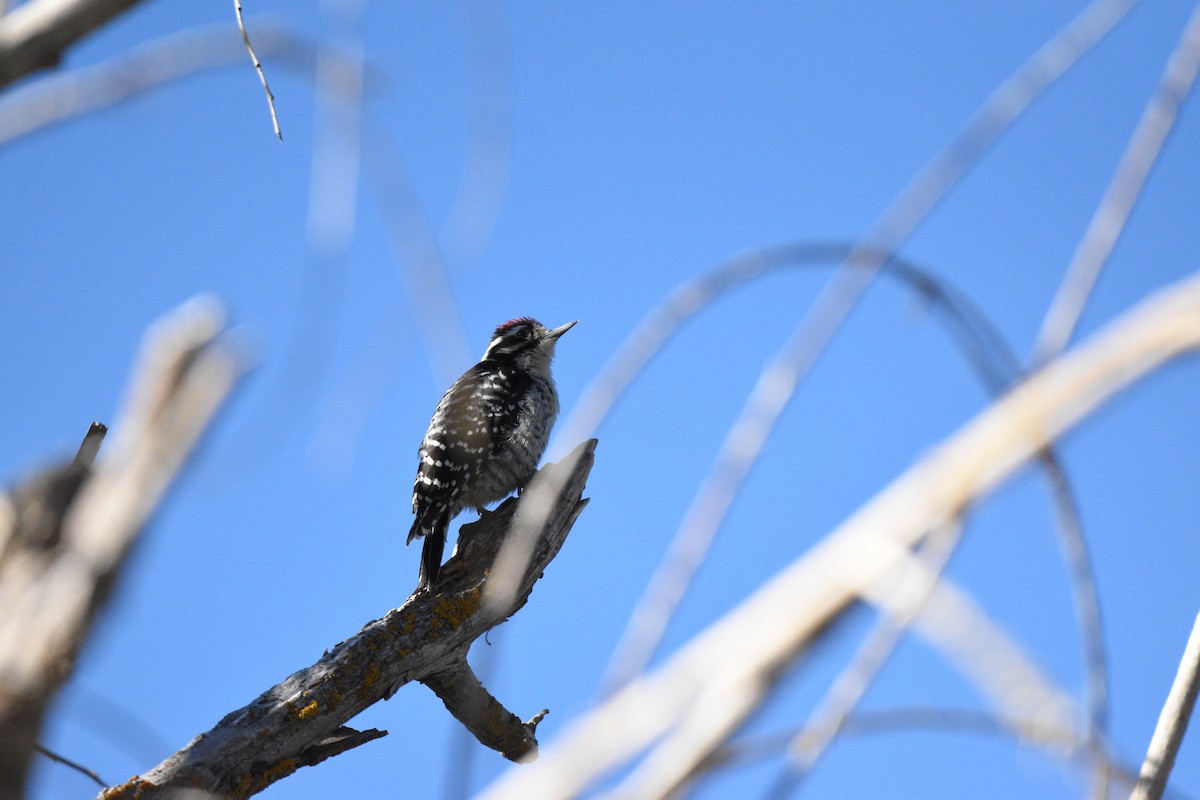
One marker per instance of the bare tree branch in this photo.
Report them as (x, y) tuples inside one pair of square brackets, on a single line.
[(34, 35), (876, 649), (780, 379), (262, 76), (482, 715), (1172, 723), (985, 350), (80, 768), (949, 620), (426, 640), (58, 565), (1141, 153), (731, 665), (1054, 741)]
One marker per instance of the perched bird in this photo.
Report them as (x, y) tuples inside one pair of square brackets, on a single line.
[(487, 434)]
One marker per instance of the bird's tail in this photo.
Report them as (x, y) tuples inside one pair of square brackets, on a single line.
[(431, 552)]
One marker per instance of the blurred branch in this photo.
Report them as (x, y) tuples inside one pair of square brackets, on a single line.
[(970, 641), (418, 257), (949, 620), (487, 160), (58, 565), (80, 91), (730, 666), (970, 329), (779, 381), (1172, 723), (984, 349), (755, 749), (34, 35), (426, 640), (1141, 153), (905, 602)]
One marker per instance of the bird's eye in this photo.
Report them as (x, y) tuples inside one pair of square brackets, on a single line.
[(523, 333)]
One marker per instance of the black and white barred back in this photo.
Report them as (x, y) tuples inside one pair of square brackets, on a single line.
[(487, 434)]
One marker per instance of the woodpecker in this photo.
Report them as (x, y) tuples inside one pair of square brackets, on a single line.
[(487, 434)]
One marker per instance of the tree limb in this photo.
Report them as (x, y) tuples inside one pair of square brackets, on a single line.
[(1172, 723), (34, 35), (473, 706), (65, 534), (425, 640)]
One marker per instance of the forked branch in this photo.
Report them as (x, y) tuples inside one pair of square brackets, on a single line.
[(425, 640)]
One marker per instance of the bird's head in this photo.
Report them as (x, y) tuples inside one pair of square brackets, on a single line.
[(526, 342)]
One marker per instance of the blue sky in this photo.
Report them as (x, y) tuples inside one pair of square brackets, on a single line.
[(646, 145)]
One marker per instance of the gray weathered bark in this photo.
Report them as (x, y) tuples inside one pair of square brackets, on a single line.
[(424, 640)]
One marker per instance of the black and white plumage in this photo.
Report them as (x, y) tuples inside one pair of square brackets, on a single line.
[(487, 434)]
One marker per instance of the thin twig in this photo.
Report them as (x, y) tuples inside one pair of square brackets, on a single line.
[(1141, 153), (68, 94), (733, 663), (1172, 722), (262, 76), (53, 756)]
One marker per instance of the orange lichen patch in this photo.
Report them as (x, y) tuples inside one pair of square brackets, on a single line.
[(251, 783), (371, 676), (459, 608), (309, 710), (129, 790), (404, 622), (335, 700), (282, 769)]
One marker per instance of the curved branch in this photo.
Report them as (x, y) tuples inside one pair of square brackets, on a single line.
[(732, 664), (1064, 743), (985, 350)]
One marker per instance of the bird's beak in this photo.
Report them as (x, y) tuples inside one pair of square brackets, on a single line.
[(560, 330)]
